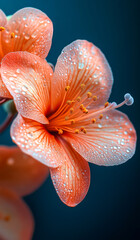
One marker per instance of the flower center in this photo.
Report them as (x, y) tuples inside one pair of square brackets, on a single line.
[(74, 115), (11, 36)]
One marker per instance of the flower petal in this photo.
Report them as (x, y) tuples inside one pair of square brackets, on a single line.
[(20, 172), (33, 32), (3, 90), (16, 220), (27, 78), (109, 141), (72, 179), (3, 22), (81, 63), (33, 139)]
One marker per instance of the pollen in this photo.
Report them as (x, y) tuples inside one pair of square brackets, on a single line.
[(73, 101), (94, 98), (12, 35), (78, 99), (77, 131), (67, 88), (83, 86), (101, 116), (106, 104), (71, 110), (89, 94), (81, 106), (93, 120), (2, 29), (60, 131), (69, 102), (72, 121)]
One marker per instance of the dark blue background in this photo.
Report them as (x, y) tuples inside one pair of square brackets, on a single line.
[(111, 207)]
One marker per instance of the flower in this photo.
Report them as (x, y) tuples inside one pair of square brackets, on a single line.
[(28, 30), (20, 175), (16, 220), (64, 118)]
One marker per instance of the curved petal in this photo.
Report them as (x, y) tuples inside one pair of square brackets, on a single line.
[(72, 179), (27, 78), (32, 30), (20, 172), (3, 22), (81, 63), (109, 141), (16, 220), (33, 139), (3, 89)]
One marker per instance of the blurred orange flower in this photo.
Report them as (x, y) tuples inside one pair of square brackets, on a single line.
[(64, 118), (28, 30)]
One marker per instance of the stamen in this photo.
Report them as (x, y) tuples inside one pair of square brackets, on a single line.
[(60, 131), (76, 131), (12, 35), (72, 121), (101, 116), (93, 120), (71, 110), (89, 94), (82, 86), (106, 104), (81, 106), (67, 118), (78, 99), (84, 131), (85, 110), (2, 29), (82, 128), (69, 102), (94, 98)]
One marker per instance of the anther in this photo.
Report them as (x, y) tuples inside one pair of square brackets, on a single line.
[(78, 99), (94, 98), (84, 131), (66, 118), (85, 110), (69, 102), (76, 131), (73, 101), (106, 104), (12, 35), (81, 106), (93, 120), (82, 128), (72, 121), (89, 94), (101, 116), (2, 29), (71, 110), (67, 88), (60, 131), (83, 86), (129, 99)]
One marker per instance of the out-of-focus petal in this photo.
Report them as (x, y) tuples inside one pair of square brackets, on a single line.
[(32, 30), (81, 63), (27, 78), (16, 220), (20, 172), (3, 89), (72, 179), (35, 140), (109, 141)]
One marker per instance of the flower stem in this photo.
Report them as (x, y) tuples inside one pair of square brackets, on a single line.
[(7, 121)]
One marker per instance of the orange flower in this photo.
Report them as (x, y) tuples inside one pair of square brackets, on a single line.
[(64, 118), (28, 30), (16, 220), (20, 175)]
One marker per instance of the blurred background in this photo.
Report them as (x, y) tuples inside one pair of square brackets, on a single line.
[(111, 207)]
